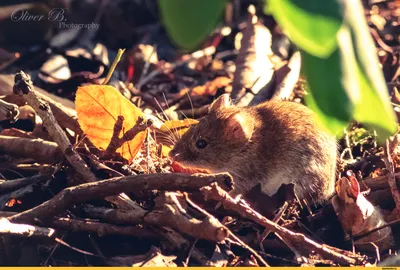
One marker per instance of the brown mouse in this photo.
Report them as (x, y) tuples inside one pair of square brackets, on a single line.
[(273, 143)]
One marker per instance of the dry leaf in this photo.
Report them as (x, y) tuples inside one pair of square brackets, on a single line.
[(12, 202), (254, 69), (210, 88), (98, 107), (357, 215)]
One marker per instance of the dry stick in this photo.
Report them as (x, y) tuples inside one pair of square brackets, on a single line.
[(100, 189), (8, 111), (277, 217), (75, 225), (116, 142), (15, 184), (215, 193), (170, 216), (40, 150), (232, 235), (6, 227), (394, 222), (286, 87), (66, 116), (177, 241), (23, 86), (101, 228)]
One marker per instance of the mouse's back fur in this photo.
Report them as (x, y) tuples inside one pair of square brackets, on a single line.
[(273, 143)]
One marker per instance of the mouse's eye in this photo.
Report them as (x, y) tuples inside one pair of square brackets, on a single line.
[(201, 144)]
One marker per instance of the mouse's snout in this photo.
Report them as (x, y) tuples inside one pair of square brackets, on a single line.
[(173, 154)]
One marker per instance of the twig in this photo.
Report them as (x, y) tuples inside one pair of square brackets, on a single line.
[(277, 217), (235, 238), (8, 111), (117, 142), (113, 65), (177, 241), (104, 188), (102, 229), (307, 245), (359, 236), (91, 226), (6, 227), (24, 86), (169, 216), (40, 150), (15, 184)]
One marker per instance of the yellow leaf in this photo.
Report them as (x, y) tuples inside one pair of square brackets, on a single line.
[(98, 107), (165, 150), (178, 124)]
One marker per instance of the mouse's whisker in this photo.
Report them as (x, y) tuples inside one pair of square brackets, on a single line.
[(191, 104), (167, 139), (165, 116), (172, 134), (184, 115), (175, 130), (238, 175)]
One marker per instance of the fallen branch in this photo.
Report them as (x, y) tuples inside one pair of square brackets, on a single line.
[(307, 246), (232, 236), (24, 86), (8, 111), (8, 228), (15, 184), (40, 150), (102, 229), (169, 216), (62, 108), (101, 189)]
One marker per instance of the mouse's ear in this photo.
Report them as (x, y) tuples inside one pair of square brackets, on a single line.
[(240, 126), (221, 102)]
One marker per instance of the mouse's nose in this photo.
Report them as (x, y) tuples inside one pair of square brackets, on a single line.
[(173, 154)]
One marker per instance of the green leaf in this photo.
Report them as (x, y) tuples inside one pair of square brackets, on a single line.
[(374, 109), (189, 22), (327, 96), (327, 122), (341, 90), (311, 24)]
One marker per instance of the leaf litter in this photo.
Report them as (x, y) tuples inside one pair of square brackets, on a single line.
[(147, 211)]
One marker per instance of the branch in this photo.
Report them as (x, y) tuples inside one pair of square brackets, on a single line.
[(307, 246), (169, 216), (76, 225), (100, 189), (24, 86), (40, 150), (116, 142), (15, 184)]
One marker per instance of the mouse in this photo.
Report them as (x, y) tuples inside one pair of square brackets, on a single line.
[(272, 143)]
